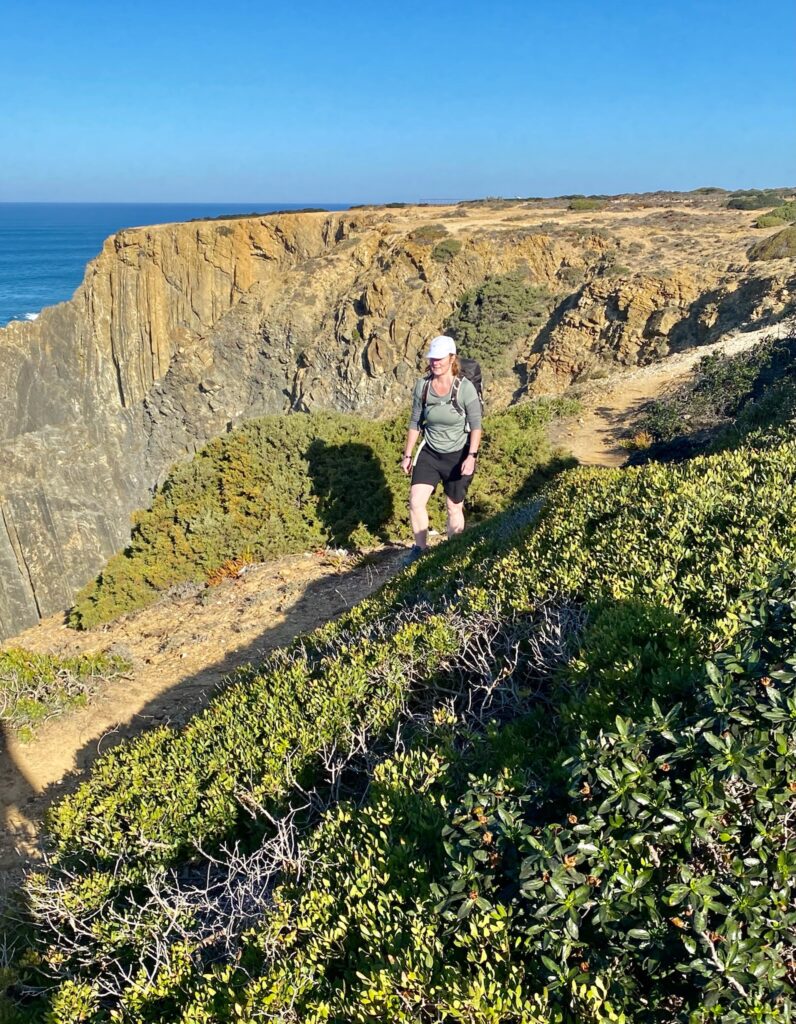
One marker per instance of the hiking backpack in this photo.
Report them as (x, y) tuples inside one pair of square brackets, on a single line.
[(471, 369)]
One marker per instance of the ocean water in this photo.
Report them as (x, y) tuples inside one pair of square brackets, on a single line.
[(44, 247)]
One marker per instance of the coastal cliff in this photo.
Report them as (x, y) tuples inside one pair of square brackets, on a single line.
[(181, 331)]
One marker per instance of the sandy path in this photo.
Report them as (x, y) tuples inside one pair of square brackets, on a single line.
[(610, 406), (180, 649)]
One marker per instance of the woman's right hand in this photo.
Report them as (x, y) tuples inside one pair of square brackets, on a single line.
[(406, 464)]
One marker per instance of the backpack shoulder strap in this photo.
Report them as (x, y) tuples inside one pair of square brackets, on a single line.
[(457, 383), (423, 401)]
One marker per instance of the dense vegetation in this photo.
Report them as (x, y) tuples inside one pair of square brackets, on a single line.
[(740, 393), (491, 318), (780, 246), (517, 785), (584, 203), (755, 199), (784, 214), (280, 485), (35, 687)]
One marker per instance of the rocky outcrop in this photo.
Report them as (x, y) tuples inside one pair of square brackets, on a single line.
[(181, 331), (637, 318)]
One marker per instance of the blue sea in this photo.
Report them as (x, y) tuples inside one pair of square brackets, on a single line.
[(44, 247)]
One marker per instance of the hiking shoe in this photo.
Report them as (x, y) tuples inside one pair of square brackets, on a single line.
[(413, 554)]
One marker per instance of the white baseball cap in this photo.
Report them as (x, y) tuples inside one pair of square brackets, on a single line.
[(440, 347)]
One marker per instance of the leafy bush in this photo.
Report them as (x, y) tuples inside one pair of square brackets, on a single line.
[(718, 389), (648, 881), (586, 203), (493, 317), (428, 233), (34, 687), (755, 200), (782, 215), (445, 251), (657, 887), (280, 485), (780, 246)]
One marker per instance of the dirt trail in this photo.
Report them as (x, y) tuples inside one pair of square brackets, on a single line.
[(611, 406), (180, 649)]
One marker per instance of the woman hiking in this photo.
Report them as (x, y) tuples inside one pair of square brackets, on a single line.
[(447, 409)]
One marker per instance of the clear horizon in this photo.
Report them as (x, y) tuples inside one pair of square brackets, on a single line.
[(189, 101), (345, 202)]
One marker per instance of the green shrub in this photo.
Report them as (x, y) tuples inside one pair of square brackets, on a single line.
[(492, 318), (650, 881), (426, 234), (586, 203), (661, 878), (35, 687), (445, 251), (718, 390), (780, 246), (782, 215), (755, 200), (281, 485)]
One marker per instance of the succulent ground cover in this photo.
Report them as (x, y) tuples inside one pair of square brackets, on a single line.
[(542, 776)]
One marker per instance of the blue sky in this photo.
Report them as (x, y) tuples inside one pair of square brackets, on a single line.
[(368, 102)]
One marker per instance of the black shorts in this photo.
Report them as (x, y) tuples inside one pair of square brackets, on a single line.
[(442, 467)]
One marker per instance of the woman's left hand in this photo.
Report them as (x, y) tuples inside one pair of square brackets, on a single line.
[(468, 466)]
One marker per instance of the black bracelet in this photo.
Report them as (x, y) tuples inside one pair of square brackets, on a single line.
[(472, 455)]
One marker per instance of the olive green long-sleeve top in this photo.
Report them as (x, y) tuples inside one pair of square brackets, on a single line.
[(445, 429)]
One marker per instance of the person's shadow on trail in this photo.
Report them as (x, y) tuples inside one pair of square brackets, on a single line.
[(352, 491), (17, 792)]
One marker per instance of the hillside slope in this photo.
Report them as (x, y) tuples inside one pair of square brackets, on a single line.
[(179, 331)]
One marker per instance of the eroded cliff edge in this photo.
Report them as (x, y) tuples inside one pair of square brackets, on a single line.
[(180, 331)]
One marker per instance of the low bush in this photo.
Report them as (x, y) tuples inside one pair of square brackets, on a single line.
[(655, 888), (428, 233), (780, 246), (649, 880), (586, 203), (784, 214), (281, 485), (35, 687), (719, 388), (445, 251), (755, 200), (492, 318)]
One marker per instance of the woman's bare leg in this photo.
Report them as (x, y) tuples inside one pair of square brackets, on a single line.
[(455, 517), (418, 512)]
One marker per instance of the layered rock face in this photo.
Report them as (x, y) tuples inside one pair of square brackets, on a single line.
[(181, 331)]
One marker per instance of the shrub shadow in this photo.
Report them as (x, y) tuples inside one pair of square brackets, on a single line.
[(352, 490)]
